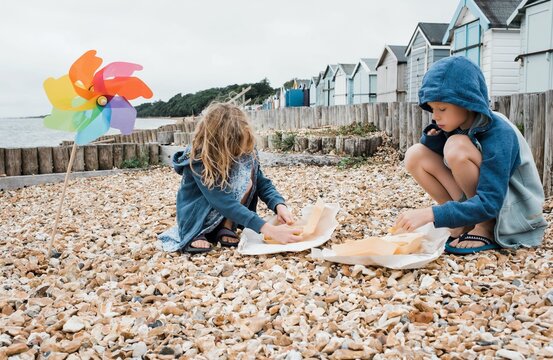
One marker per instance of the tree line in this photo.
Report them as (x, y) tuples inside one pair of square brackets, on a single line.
[(193, 104)]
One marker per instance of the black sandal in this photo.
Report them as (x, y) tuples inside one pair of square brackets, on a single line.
[(197, 250), (225, 232), (489, 244)]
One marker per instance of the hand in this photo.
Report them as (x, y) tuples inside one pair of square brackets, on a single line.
[(433, 132), (411, 220), (282, 234), (284, 216)]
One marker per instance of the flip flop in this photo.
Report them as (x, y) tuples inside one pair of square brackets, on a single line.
[(196, 250), (225, 232), (488, 245)]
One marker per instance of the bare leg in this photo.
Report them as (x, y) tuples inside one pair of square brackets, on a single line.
[(428, 169), (464, 160), (226, 223)]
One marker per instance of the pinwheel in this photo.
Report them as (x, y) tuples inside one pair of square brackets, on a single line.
[(89, 102)]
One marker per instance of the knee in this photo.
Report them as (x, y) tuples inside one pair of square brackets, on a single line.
[(459, 149), (414, 156)]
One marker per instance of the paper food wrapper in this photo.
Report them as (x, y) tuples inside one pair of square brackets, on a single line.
[(251, 242), (432, 247)]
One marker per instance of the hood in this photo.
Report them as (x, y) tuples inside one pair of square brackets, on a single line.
[(181, 159), (455, 80)]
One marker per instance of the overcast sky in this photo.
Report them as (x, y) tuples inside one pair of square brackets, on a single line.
[(186, 46)]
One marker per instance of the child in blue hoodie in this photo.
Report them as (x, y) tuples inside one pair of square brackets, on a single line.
[(475, 164), (221, 183)]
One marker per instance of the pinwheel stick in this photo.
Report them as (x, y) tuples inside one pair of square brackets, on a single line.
[(71, 160)]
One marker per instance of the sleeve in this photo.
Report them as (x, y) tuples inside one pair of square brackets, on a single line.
[(267, 191), (499, 158), (435, 143), (227, 205)]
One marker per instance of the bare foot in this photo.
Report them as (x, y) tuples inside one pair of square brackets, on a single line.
[(478, 230), (456, 232), (231, 240), (200, 244)]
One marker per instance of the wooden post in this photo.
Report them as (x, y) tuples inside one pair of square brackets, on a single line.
[(516, 113), (349, 146), (534, 126), (416, 117), (69, 165), (29, 161), (165, 137), (301, 143), (90, 157), (340, 140), (129, 152), (117, 155), (13, 162), (548, 146), (143, 151), (328, 143), (314, 144), (363, 146), (154, 153), (275, 141), (61, 158), (105, 156), (78, 162), (402, 127), (263, 141), (2, 162)]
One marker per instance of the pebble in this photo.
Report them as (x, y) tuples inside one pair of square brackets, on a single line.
[(139, 349), (73, 325)]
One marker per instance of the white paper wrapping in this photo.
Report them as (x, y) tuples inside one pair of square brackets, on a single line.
[(432, 247), (251, 242)]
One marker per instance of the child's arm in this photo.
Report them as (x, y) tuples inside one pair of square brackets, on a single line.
[(267, 191), (227, 205), (434, 140)]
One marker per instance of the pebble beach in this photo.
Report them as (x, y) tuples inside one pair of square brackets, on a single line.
[(111, 293)]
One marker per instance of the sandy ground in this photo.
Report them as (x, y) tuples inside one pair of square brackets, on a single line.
[(112, 294)]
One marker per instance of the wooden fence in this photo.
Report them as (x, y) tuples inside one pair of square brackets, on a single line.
[(403, 122), (48, 160)]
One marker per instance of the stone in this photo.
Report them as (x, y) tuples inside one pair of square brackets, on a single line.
[(73, 325)]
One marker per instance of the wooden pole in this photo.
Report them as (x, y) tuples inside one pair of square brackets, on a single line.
[(71, 158)]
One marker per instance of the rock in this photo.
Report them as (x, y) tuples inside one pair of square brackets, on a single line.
[(166, 351), (343, 354), (73, 325), (139, 349), (549, 297), (15, 349), (508, 354), (5, 340), (293, 355)]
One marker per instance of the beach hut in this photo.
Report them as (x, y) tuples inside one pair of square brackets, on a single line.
[(320, 90), (391, 70), (328, 85), (343, 88), (535, 56), (424, 48), (479, 31), (313, 90), (364, 80)]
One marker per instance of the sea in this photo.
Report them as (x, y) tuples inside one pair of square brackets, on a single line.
[(30, 132)]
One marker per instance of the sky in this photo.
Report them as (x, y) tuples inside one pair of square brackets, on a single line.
[(187, 46)]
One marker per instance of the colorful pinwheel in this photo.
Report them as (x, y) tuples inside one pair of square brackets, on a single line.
[(91, 102)]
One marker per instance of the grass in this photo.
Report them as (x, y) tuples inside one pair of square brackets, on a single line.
[(136, 163), (350, 162), (356, 128)]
